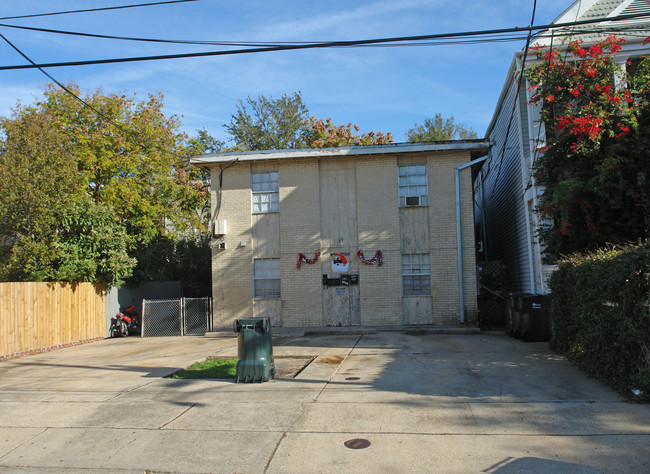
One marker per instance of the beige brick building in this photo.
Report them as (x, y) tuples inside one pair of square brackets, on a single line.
[(399, 201)]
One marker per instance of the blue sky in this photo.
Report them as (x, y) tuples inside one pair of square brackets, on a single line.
[(384, 89)]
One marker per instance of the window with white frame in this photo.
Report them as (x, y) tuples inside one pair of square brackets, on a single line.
[(412, 183), (265, 189), (416, 274), (266, 278)]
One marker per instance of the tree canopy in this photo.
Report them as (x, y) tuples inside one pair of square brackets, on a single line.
[(594, 165), (438, 128), (268, 124), (114, 165), (321, 133)]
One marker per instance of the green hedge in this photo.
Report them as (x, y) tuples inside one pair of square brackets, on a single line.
[(601, 315)]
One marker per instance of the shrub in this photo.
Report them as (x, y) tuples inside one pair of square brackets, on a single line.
[(601, 314)]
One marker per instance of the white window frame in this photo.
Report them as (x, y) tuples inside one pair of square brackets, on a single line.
[(266, 279), (416, 267), (412, 182), (265, 192)]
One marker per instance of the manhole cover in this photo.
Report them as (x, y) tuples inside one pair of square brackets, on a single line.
[(357, 443), (352, 378)]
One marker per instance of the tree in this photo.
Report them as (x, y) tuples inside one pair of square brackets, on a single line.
[(437, 128), (130, 156), (594, 166), (204, 143), (124, 155), (89, 244), (321, 133), (269, 124)]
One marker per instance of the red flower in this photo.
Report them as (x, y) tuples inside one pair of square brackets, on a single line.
[(581, 53), (549, 98), (647, 40), (575, 92), (590, 72), (595, 51)]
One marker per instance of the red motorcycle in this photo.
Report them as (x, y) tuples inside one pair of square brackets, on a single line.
[(125, 323)]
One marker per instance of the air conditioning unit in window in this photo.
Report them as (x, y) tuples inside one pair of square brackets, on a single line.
[(412, 200), (219, 228)]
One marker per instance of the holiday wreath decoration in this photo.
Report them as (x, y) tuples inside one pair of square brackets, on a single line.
[(302, 258), (377, 258)]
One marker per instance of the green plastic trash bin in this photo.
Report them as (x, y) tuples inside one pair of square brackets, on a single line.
[(254, 350)]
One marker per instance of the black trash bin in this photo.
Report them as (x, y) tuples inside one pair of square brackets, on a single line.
[(254, 350), (534, 318)]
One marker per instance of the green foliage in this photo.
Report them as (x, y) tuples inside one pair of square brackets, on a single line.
[(321, 133), (87, 243), (130, 157), (204, 143), (601, 314), (124, 154), (437, 128), (37, 174), (168, 258), (211, 368), (268, 124), (594, 166)]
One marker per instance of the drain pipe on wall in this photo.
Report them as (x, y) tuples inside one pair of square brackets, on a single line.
[(459, 240)]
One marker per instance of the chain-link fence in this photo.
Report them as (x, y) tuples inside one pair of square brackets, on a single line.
[(177, 317)]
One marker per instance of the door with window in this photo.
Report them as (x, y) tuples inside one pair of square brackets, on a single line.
[(416, 289)]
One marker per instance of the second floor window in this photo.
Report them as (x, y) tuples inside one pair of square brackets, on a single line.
[(412, 183), (265, 188)]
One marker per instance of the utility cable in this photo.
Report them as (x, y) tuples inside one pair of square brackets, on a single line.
[(443, 41), (96, 9), (66, 89), (329, 44), (515, 105)]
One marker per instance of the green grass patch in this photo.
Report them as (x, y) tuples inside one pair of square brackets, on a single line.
[(210, 368)]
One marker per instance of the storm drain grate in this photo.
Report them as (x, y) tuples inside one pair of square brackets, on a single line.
[(357, 443)]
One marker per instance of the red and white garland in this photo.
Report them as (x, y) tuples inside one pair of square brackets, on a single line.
[(302, 258), (377, 258)]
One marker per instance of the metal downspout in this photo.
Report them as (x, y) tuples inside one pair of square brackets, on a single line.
[(459, 240)]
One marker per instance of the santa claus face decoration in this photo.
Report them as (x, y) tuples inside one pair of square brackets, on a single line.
[(340, 263)]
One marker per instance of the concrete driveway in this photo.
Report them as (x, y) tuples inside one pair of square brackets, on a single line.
[(429, 403)]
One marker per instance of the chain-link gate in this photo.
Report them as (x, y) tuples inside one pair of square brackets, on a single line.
[(177, 317), (196, 316)]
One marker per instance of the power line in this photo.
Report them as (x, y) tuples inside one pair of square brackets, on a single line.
[(66, 89), (444, 41), (515, 105), (96, 9), (322, 45)]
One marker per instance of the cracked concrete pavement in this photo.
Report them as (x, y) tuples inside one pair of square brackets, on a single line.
[(425, 403)]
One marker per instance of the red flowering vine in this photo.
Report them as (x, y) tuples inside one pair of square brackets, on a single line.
[(311, 261), (592, 163), (377, 258)]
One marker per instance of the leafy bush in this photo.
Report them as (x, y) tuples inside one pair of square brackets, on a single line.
[(601, 314)]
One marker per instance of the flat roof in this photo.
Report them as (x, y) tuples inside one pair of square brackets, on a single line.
[(476, 145)]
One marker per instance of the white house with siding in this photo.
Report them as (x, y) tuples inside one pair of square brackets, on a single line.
[(506, 194)]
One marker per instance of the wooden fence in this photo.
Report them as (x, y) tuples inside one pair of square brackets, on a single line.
[(40, 316)]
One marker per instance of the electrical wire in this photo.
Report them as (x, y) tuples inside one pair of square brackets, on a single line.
[(515, 104), (441, 41), (66, 89), (321, 45), (96, 9)]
